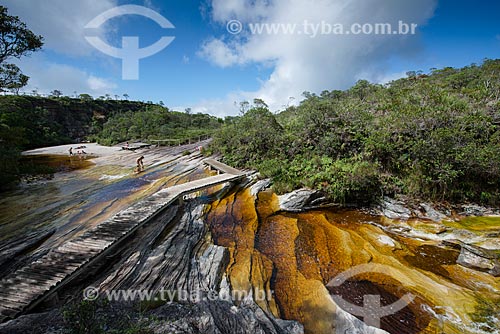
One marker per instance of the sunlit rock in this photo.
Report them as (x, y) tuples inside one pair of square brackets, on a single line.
[(480, 259), (301, 199), (473, 210), (393, 209), (297, 254), (431, 213), (259, 186)]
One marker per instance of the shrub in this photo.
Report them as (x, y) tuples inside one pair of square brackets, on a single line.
[(81, 317)]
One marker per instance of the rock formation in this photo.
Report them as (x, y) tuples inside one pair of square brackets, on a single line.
[(243, 260)]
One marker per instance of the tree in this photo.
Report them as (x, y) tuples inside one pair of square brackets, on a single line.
[(85, 97), (11, 78), (308, 95), (126, 96), (56, 93), (411, 74), (16, 40), (243, 105), (259, 103), (361, 89)]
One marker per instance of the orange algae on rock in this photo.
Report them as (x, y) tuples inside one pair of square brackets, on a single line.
[(233, 222), (297, 254)]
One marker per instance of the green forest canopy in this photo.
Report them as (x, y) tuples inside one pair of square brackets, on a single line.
[(434, 136)]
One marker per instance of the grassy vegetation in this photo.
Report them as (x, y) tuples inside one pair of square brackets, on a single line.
[(155, 122), (82, 318), (99, 316), (432, 136)]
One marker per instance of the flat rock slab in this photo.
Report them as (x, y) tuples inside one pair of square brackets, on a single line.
[(41, 278)]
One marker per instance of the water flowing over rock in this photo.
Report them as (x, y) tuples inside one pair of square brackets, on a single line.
[(297, 254), (174, 253), (185, 259), (173, 258)]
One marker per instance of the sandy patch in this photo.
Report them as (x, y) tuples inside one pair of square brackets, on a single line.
[(116, 156), (90, 148)]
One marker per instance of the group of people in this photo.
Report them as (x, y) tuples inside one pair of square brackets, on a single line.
[(140, 161), (80, 150)]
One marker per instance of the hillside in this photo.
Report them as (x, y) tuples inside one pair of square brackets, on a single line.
[(432, 136), (54, 121)]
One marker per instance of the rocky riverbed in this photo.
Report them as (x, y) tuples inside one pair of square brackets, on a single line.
[(449, 265), (240, 259)]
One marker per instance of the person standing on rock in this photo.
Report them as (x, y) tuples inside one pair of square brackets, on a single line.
[(140, 164), (70, 151)]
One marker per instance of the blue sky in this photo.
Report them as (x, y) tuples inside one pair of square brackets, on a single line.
[(459, 33), (208, 69)]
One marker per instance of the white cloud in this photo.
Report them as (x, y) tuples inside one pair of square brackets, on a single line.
[(223, 10), (381, 77), (45, 76), (219, 53), (229, 105), (302, 63), (99, 84), (60, 22), (219, 107), (151, 5)]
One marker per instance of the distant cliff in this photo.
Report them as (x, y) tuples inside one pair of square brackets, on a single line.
[(44, 121), (28, 122)]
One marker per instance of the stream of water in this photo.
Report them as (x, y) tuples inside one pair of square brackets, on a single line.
[(81, 195), (296, 255)]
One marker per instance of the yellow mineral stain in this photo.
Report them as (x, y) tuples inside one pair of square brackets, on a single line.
[(476, 224), (297, 254)]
